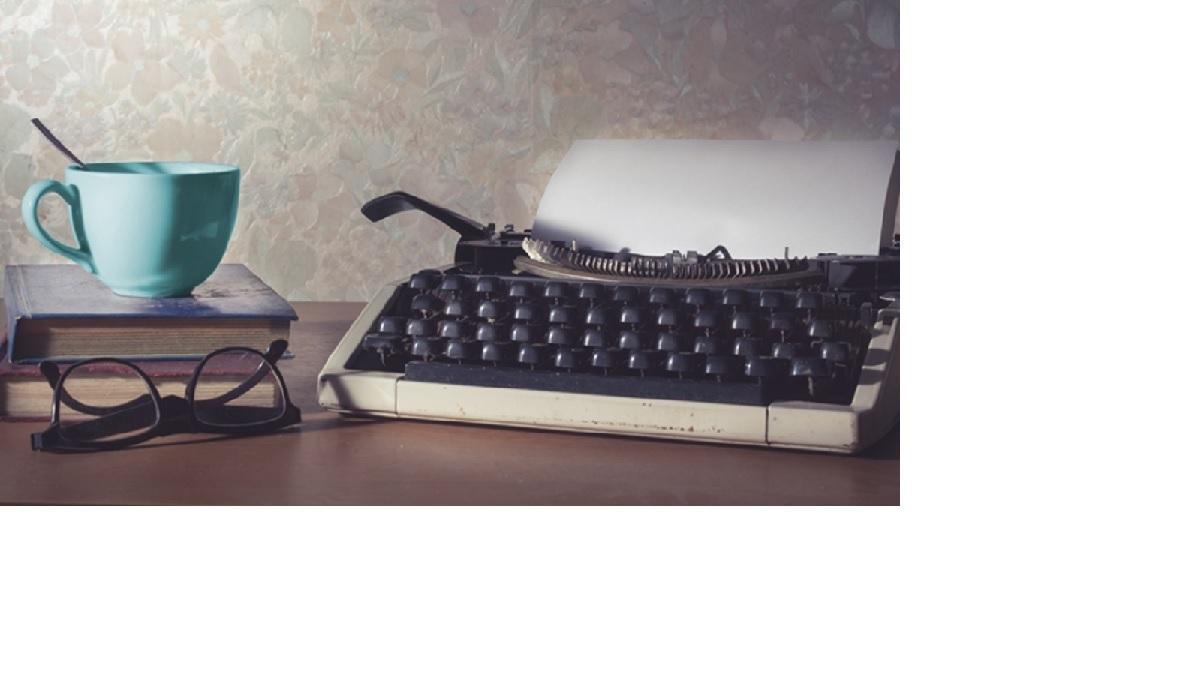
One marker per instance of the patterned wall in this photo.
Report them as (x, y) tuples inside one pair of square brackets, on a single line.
[(327, 103)]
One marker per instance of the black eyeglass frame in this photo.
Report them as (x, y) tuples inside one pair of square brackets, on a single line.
[(172, 414)]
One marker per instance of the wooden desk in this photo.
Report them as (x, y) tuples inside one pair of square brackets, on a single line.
[(335, 460)]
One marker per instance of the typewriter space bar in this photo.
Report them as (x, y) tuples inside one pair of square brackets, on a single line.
[(633, 386)]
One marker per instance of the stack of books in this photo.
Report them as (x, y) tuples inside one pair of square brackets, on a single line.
[(61, 313)]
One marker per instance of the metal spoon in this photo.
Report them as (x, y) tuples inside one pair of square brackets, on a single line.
[(57, 143)]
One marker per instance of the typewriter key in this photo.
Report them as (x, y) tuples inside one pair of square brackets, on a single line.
[(591, 292), (557, 291), (681, 363), (532, 355), (560, 335), (562, 314), (570, 358), (734, 297), (631, 339), (523, 332), (707, 319), (632, 316), (389, 324), (426, 347), (421, 327), (697, 297), (606, 359), (594, 338), (427, 304), (457, 307), (669, 342), (770, 300), (527, 312), (488, 286), (706, 344), (747, 346), (624, 295), (743, 321), (491, 310), (835, 352), (721, 366), (520, 290), (661, 296), (489, 332), (460, 350), (496, 352), (452, 283), (450, 328), (820, 328)]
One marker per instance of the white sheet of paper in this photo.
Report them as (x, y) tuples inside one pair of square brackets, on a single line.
[(757, 198)]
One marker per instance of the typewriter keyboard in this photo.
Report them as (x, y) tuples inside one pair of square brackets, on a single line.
[(721, 345)]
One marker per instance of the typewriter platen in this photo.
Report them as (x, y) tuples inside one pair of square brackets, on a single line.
[(794, 352)]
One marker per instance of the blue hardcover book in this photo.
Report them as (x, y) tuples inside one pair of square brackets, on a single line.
[(62, 313)]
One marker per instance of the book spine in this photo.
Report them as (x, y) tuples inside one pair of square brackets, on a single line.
[(14, 306)]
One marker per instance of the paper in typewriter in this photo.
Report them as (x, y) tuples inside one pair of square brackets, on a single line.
[(757, 198)]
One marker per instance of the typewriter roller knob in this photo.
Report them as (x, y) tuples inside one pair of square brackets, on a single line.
[(488, 286), (427, 304), (421, 327), (531, 355)]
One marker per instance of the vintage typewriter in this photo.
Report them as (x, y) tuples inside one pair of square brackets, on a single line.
[(792, 352)]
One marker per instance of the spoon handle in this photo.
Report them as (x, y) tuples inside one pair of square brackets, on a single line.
[(57, 143)]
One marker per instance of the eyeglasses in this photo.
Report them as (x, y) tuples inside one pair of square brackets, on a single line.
[(233, 391)]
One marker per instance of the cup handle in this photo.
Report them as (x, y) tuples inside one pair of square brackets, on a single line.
[(70, 194)]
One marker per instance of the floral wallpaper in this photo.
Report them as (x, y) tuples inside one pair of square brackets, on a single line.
[(325, 104)]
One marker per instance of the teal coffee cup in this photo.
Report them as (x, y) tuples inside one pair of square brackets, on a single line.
[(146, 229)]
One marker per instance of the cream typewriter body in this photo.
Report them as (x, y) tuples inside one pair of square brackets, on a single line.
[(534, 329)]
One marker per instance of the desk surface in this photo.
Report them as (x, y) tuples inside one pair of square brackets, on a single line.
[(336, 460)]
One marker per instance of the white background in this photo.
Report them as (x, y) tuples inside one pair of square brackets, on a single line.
[(1048, 438)]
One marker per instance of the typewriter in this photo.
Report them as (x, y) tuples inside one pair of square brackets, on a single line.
[(791, 352)]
